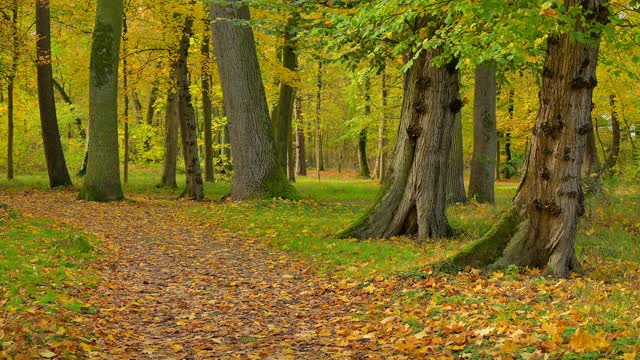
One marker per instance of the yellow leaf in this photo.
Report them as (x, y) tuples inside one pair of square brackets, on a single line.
[(61, 331), (177, 347), (86, 347), (583, 341), (47, 354)]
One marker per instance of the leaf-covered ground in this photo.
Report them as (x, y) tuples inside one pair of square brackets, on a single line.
[(265, 280)]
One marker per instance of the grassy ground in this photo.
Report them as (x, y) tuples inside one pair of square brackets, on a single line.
[(46, 276), (516, 311)]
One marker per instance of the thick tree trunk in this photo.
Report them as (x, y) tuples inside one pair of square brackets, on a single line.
[(301, 156), (455, 170), (612, 159), (540, 229), (363, 163), (11, 87), (483, 163), (413, 201), (102, 180), (56, 164), (257, 173), (170, 139), (283, 112), (125, 94), (188, 127), (318, 139), (206, 105)]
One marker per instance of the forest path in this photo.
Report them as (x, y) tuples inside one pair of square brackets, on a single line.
[(177, 289)]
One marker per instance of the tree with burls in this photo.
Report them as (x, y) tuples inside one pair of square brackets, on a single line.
[(257, 173), (102, 179), (539, 229)]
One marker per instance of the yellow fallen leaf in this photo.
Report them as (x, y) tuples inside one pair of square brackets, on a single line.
[(177, 347), (61, 331), (47, 354)]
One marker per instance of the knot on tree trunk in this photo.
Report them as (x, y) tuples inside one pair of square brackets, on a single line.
[(414, 132), (456, 106), (580, 83), (584, 129)]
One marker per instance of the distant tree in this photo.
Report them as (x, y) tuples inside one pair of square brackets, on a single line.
[(256, 171), (102, 180), (485, 135)]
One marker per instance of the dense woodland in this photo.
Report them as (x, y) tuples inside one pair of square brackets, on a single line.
[(438, 106)]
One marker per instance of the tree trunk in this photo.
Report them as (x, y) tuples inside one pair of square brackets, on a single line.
[(591, 162), (257, 173), (188, 127), (301, 156), (11, 87), (455, 170), (291, 160), (102, 180), (363, 163), (153, 96), (125, 94), (171, 138), (540, 229), (318, 143), (508, 173), (612, 160), (382, 132), (56, 164), (206, 104), (412, 201), (283, 111), (483, 163)]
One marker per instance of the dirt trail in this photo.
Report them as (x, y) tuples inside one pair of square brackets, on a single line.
[(177, 289)]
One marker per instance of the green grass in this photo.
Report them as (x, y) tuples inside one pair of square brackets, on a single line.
[(40, 265)]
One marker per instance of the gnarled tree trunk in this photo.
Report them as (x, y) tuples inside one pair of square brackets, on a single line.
[(256, 172), (483, 163), (56, 164), (540, 228), (413, 196)]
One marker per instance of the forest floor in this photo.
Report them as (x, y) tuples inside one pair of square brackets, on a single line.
[(157, 278)]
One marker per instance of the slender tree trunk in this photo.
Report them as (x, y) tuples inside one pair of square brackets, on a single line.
[(56, 164), (283, 112), (171, 138), (153, 96), (11, 87), (612, 160), (413, 196), (483, 163), (257, 173), (362, 137), (206, 104), (102, 180), (540, 228), (318, 139), (382, 131), (291, 160), (508, 173), (591, 162), (322, 152), (188, 127), (301, 156), (455, 170)]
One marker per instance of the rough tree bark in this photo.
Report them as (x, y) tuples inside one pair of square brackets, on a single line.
[(206, 104), (194, 189), (257, 173), (301, 155), (412, 201), (540, 228), (102, 180), (56, 164), (170, 138), (363, 163), (483, 163), (282, 114), (455, 170)]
